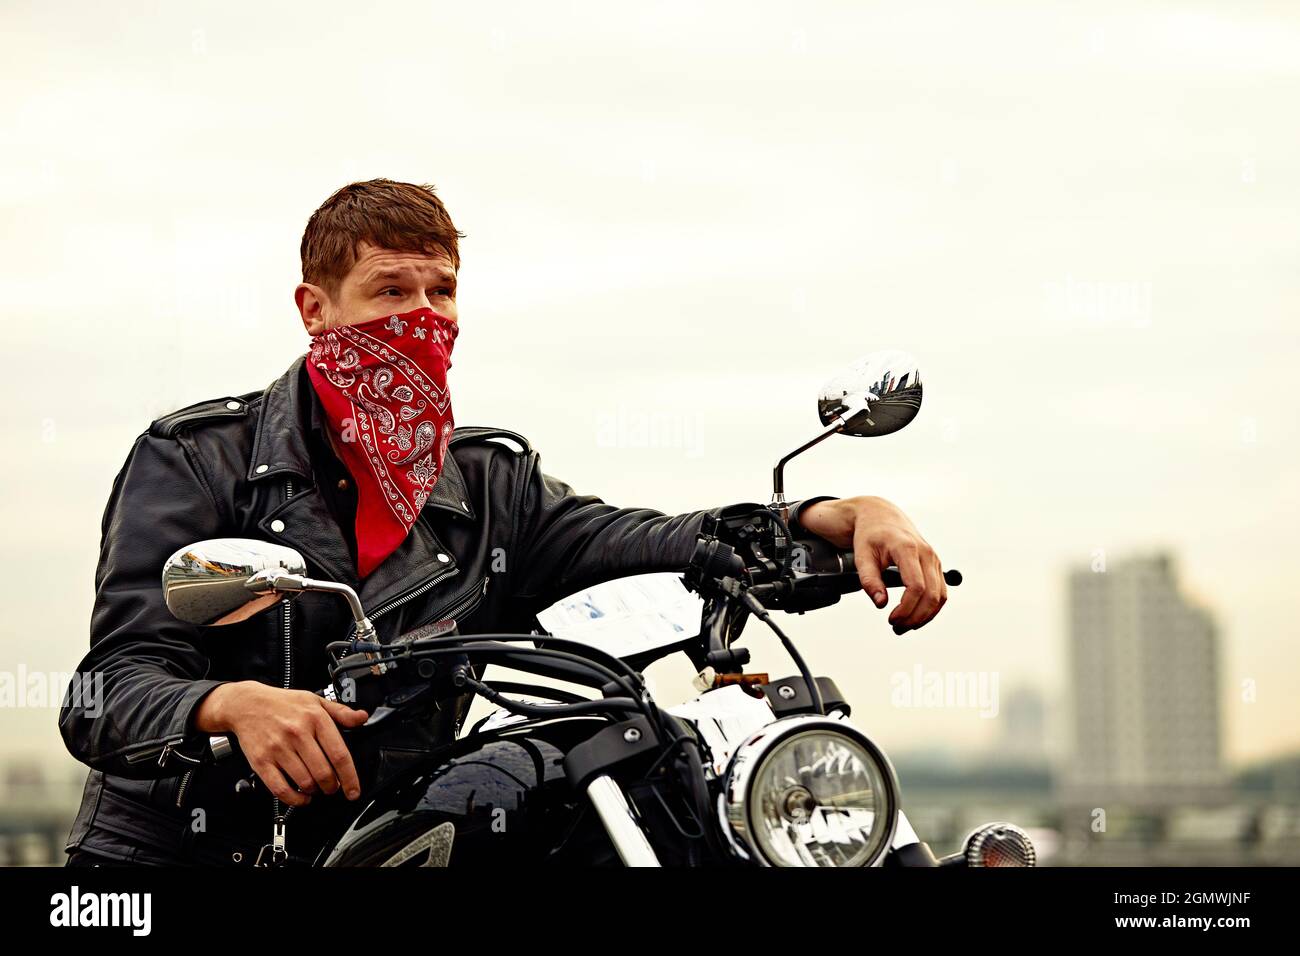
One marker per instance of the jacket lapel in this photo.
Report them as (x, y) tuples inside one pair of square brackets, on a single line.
[(421, 556), (305, 522)]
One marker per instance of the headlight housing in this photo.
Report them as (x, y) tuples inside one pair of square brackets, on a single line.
[(811, 791), (1000, 844)]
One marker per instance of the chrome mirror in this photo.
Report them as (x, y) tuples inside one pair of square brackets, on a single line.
[(227, 580), (208, 581), (876, 395)]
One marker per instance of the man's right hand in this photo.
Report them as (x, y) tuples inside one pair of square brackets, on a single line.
[(286, 734)]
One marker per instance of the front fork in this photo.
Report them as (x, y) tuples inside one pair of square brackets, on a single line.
[(907, 848), (620, 823)]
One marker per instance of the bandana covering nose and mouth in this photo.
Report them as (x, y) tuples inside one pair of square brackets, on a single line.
[(383, 385)]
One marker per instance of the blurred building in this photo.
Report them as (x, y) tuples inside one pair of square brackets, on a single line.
[(1144, 685), (1023, 734)]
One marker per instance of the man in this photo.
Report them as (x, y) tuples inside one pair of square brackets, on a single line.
[(352, 459)]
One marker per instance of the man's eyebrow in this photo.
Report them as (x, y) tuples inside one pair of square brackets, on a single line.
[(393, 275)]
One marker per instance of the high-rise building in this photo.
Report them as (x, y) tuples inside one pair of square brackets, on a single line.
[(1144, 683)]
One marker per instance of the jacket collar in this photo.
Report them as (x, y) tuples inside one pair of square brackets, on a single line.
[(290, 409), (280, 449)]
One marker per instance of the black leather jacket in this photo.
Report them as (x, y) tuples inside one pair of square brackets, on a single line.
[(497, 541)]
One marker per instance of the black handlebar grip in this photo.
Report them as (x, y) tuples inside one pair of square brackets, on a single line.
[(819, 556), (895, 580)]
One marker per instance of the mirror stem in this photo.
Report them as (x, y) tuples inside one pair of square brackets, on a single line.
[(778, 502), (283, 583)]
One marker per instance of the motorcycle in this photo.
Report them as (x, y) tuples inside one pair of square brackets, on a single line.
[(751, 771)]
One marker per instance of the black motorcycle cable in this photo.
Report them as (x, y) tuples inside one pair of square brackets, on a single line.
[(633, 691), (699, 789), (759, 611), (696, 784), (486, 644), (587, 655), (526, 709), (693, 785), (671, 748), (549, 693), (645, 705), (672, 818), (591, 656), (595, 654), (487, 649)]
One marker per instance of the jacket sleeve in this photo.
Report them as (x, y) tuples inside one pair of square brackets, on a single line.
[(564, 541), (134, 694)]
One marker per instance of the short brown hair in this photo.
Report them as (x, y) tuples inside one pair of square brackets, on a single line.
[(403, 217)]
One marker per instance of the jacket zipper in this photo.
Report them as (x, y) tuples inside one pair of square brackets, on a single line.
[(464, 606), (409, 596), (154, 750), (285, 681), (278, 812), (467, 605), (287, 677)]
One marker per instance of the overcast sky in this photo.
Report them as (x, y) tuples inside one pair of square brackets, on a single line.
[(1080, 218)]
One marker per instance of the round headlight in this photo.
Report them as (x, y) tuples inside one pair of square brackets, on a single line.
[(809, 791)]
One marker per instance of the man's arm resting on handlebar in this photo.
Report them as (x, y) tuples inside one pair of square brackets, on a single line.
[(879, 535), (564, 542)]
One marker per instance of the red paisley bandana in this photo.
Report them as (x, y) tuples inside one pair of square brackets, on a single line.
[(383, 385)]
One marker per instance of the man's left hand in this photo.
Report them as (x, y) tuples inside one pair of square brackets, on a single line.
[(881, 535)]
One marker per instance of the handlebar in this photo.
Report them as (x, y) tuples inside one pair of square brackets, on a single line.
[(220, 747), (822, 573), (893, 578), (820, 557)]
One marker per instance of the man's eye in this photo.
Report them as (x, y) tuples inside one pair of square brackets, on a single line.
[(391, 292)]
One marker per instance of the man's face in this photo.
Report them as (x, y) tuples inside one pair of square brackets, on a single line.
[(381, 282)]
